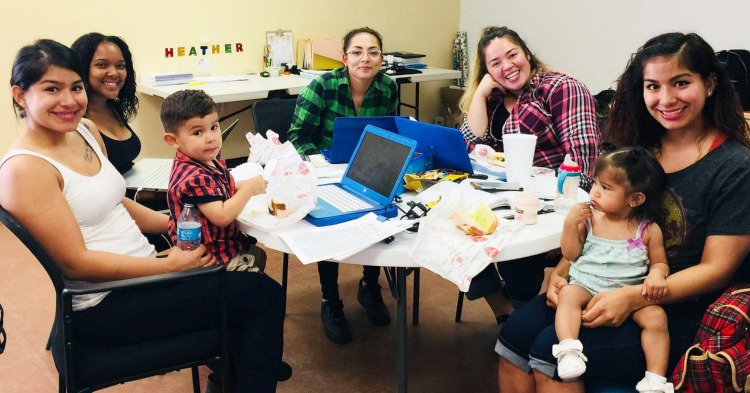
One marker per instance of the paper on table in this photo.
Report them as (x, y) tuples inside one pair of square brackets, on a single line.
[(313, 244), (331, 171), (472, 195), (219, 78)]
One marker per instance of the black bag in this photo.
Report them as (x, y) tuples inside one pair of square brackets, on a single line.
[(737, 64), (603, 102)]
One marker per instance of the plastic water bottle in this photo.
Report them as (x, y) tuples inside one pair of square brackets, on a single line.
[(568, 180), (188, 228)]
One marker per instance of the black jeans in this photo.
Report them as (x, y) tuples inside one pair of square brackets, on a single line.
[(254, 312), (329, 278)]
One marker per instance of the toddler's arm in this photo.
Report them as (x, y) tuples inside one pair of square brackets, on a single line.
[(574, 231), (655, 285), (223, 213)]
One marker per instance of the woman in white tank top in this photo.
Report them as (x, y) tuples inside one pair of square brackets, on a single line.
[(57, 182)]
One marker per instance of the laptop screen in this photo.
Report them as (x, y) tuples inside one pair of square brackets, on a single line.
[(378, 163)]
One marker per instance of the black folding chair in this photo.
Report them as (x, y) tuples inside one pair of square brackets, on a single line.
[(85, 368)]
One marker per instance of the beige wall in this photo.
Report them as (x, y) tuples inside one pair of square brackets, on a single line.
[(150, 26), (592, 40)]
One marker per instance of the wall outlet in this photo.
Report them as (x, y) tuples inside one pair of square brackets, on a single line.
[(439, 120)]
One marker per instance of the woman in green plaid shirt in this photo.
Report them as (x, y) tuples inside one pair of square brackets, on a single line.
[(356, 89)]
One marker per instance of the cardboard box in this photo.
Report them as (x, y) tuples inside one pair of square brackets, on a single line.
[(451, 96)]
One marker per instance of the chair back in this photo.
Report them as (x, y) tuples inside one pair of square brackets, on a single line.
[(274, 114), (225, 132), (25, 237)]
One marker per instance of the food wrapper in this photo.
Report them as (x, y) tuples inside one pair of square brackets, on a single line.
[(264, 149), (291, 181), (484, 154), (421, 181), (447, 250)]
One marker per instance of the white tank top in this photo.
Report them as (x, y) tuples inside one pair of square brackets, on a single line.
[(96, 203)]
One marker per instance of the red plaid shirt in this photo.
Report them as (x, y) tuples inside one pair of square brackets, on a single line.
[(556, 108), (194, 182)]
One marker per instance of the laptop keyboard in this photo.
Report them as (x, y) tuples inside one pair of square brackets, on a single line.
[(157, 176), (341, 199)]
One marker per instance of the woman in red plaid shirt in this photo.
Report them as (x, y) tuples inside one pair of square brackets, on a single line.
[(511, 91)]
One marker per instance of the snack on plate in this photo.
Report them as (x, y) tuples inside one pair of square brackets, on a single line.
[(278, 208), (478, 222), (498, 159)]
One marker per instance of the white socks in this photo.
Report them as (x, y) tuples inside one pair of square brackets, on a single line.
[(654, 383), (570, 360)]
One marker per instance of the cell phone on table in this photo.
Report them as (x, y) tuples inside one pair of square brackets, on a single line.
[(494, 186)]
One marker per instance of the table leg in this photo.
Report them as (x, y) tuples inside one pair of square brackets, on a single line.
[(401, 311), (415, 299), (285, 278)]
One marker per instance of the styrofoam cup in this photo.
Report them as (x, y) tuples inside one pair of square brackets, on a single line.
[(519, 157)]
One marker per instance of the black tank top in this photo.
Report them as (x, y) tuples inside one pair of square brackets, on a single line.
[(122, 153)]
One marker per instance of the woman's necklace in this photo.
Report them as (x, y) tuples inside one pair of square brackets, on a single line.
[(699, 145)]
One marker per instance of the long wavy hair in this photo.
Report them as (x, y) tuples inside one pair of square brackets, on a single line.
[(125, 106), (480, 66), (629, 122)]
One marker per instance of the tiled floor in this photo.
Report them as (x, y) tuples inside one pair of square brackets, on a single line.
[(443, 356)]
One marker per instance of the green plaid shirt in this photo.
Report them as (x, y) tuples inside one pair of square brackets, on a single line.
[(328, 97)]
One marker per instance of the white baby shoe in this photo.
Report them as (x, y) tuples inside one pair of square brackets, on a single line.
[(654, 383), (570, 360)]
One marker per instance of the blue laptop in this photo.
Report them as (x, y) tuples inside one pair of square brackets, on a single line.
[(370, 181), (346, 133), (445, 144)]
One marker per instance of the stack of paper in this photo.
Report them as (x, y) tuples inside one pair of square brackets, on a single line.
[(337, 242), (408, 59), (311, 74), (166, 79)]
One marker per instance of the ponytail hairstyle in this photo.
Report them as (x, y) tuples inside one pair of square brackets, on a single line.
[(639, 171), (33, 61)]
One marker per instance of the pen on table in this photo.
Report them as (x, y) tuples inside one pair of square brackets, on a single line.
[(196, 83)]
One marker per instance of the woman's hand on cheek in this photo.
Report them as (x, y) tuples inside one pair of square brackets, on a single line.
[(487, 84), (608, 308)]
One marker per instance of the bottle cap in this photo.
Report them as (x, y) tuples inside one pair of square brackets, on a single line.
[(528, 199), (569, 165)]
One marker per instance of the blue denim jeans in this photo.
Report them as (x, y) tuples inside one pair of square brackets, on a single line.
[(527, 337)]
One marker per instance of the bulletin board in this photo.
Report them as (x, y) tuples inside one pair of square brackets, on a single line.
[(282, 47)]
